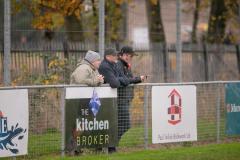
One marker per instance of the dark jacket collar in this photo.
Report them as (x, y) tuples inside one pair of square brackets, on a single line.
[(123, 62), (107, 61)]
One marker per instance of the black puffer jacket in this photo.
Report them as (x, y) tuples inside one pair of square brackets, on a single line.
[(112, 75)]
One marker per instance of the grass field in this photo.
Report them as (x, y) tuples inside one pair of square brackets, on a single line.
[(50, 142), (48, 145), (230, 151), (44, 144)]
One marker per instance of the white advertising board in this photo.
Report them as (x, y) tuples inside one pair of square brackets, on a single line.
[(174, 114), (13, 122)]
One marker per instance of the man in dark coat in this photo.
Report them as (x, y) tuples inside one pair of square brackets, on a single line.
[(125, 94), (108, 68), (124, 64)]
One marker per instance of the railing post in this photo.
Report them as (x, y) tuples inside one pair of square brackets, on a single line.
[(218, 112), (62, 103), (101, 23), (205, 57), (178, 40), (146, 93), (7, 43)]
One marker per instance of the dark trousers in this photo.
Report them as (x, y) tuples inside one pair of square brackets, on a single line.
[(123, 119)]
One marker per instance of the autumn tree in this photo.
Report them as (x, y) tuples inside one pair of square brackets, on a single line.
[(217, 21), (223, 13), (115, 21), (157, 39), (233, 23), (195, 7), (223, 16), (69, 15), (53, 15)]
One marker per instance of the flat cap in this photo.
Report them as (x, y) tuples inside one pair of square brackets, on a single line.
[(111, 51)]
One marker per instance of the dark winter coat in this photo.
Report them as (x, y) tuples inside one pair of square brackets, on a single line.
[(123, 67), (111, 74), (125, 95)]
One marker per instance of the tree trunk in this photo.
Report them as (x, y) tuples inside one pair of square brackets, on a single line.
[(74, 29), (205, 57), (196, 57), (157, 37), (216, 33), (195, 21), (217, 22)]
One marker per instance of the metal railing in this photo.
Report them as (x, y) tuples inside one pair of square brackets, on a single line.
[(47, 123)]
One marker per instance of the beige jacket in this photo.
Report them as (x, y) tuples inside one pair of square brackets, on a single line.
[(85, 74)]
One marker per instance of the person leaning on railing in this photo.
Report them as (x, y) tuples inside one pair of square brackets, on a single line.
[(124, 64), (108, 68), (112, 76), (86, 71), (125, 94)]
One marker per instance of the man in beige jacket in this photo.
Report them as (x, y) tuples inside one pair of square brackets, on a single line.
[(87, 71)]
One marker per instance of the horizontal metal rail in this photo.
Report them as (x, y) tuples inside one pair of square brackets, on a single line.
[(106, 85)]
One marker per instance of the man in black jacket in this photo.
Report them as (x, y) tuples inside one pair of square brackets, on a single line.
[(125, 94), (108, 68), (124, 64)]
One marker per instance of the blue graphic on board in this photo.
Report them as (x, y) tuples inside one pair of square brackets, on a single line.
[(95, 103), (7, 137)]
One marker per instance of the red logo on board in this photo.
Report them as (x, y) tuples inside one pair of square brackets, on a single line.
[(175, 109)]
